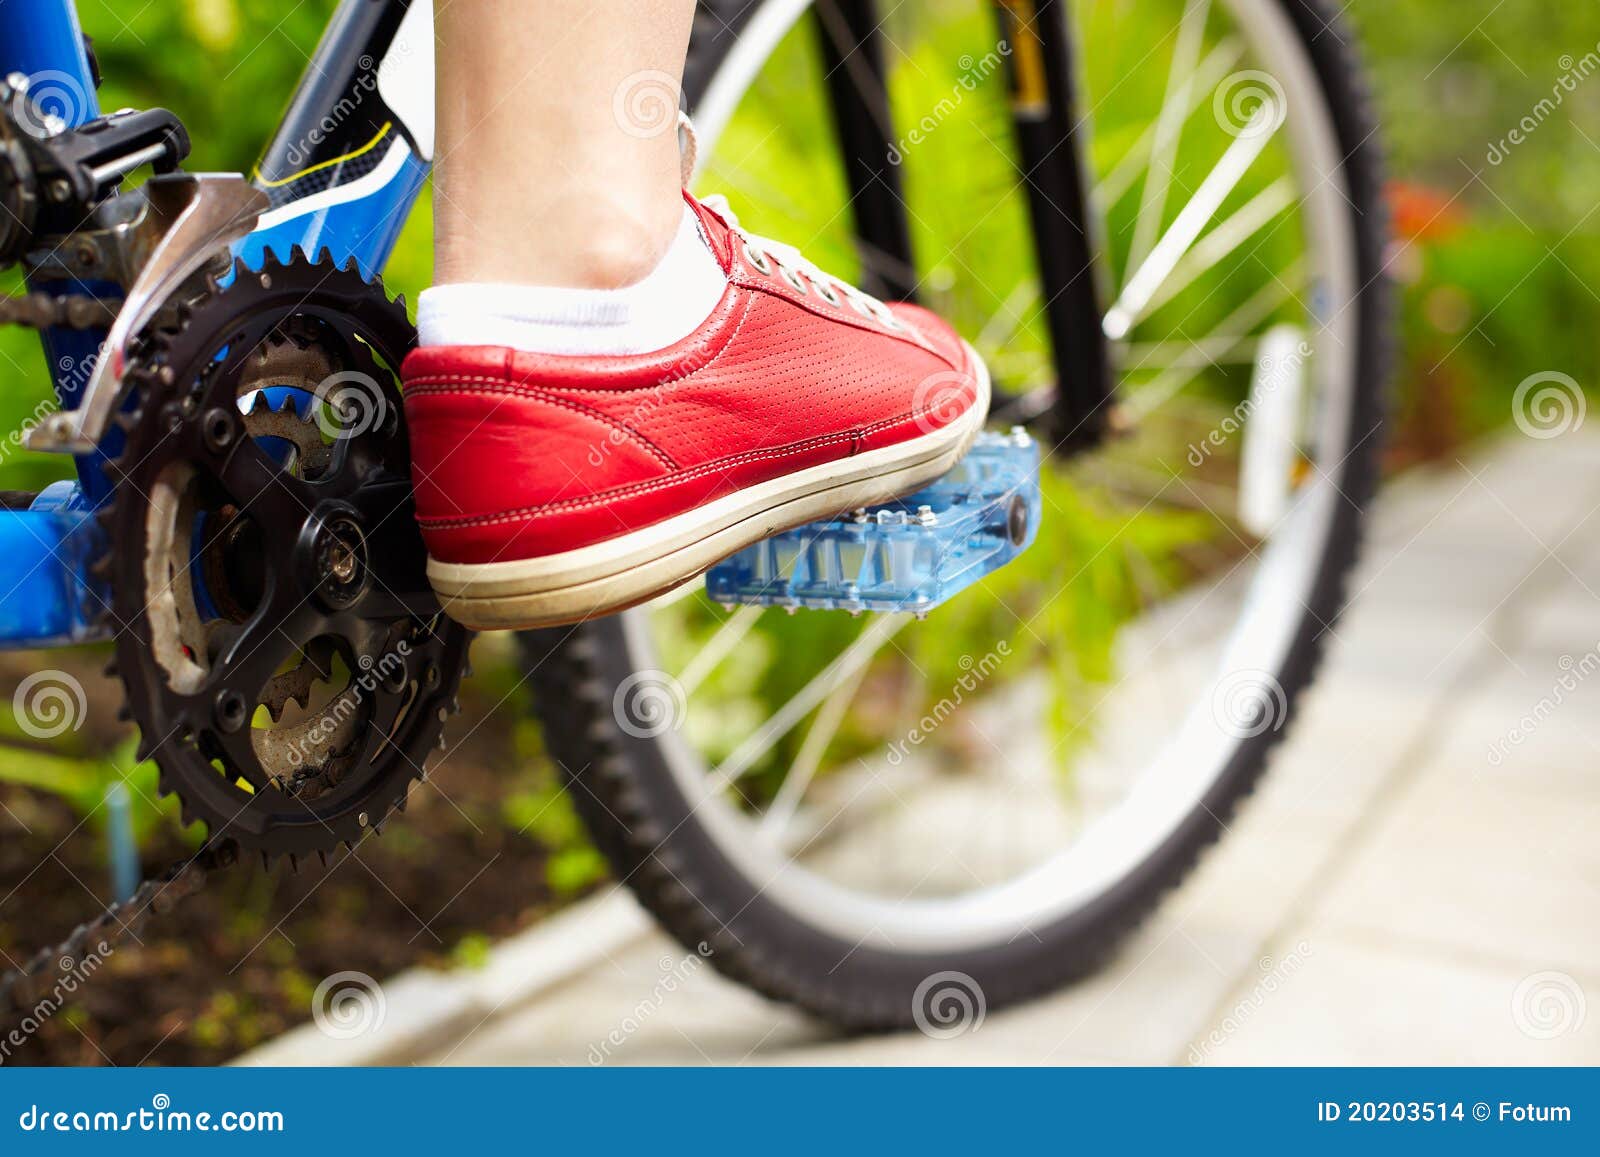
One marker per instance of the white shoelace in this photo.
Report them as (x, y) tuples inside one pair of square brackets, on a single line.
[(771, 256)]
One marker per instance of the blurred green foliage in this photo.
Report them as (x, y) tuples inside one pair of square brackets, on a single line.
[(1499, 274)]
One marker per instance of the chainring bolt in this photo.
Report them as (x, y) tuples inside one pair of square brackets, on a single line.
[(232, 711), (217, 430)]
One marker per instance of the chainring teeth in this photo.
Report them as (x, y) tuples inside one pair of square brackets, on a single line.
[(302, 318)]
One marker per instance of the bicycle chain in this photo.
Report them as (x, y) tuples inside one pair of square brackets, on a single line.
[(71, 311), (24, 987)]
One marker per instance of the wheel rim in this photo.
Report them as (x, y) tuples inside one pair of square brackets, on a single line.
[(1271, 593)]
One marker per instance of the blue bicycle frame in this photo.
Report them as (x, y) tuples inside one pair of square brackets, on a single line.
[(342, 173)]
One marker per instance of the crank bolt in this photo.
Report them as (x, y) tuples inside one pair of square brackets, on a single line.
[(342, 563), (336, 560)]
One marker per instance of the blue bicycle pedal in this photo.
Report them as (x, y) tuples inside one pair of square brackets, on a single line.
[(904, 556)]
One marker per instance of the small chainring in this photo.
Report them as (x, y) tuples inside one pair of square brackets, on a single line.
[(284, 657)]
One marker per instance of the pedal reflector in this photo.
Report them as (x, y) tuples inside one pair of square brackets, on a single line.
[(909, 555)]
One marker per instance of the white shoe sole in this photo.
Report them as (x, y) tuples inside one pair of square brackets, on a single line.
[(633, 568)]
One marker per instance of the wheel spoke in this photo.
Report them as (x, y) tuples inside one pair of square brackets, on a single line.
[(1168, 131), (1243, 320), (826, 725), (1223, 178), (857, 655), (1164, 355), (729, 635), (1115, 185), (1003, 325), (1228, 235)]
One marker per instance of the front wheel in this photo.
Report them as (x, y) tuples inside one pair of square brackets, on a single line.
[(881, 820)]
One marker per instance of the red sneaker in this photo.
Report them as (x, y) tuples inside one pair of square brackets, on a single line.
[(556, 488)]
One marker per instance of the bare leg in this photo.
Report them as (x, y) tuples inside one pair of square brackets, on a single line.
[(557, 152)]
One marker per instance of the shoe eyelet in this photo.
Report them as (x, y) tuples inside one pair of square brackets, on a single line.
[(828, 294), (758, 260), (796, 282)]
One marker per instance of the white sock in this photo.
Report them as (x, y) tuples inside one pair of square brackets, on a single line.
[(666, 307)]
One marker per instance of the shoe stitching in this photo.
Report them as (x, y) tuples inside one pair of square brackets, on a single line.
[(526, 513), (426, 388)]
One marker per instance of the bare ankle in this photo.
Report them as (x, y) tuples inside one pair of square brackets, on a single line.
[(616, 254), (591, 247)]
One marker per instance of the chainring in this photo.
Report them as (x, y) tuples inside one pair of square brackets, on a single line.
[(283, 655)]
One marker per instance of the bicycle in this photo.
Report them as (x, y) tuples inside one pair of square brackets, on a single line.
[(1207, 379)]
